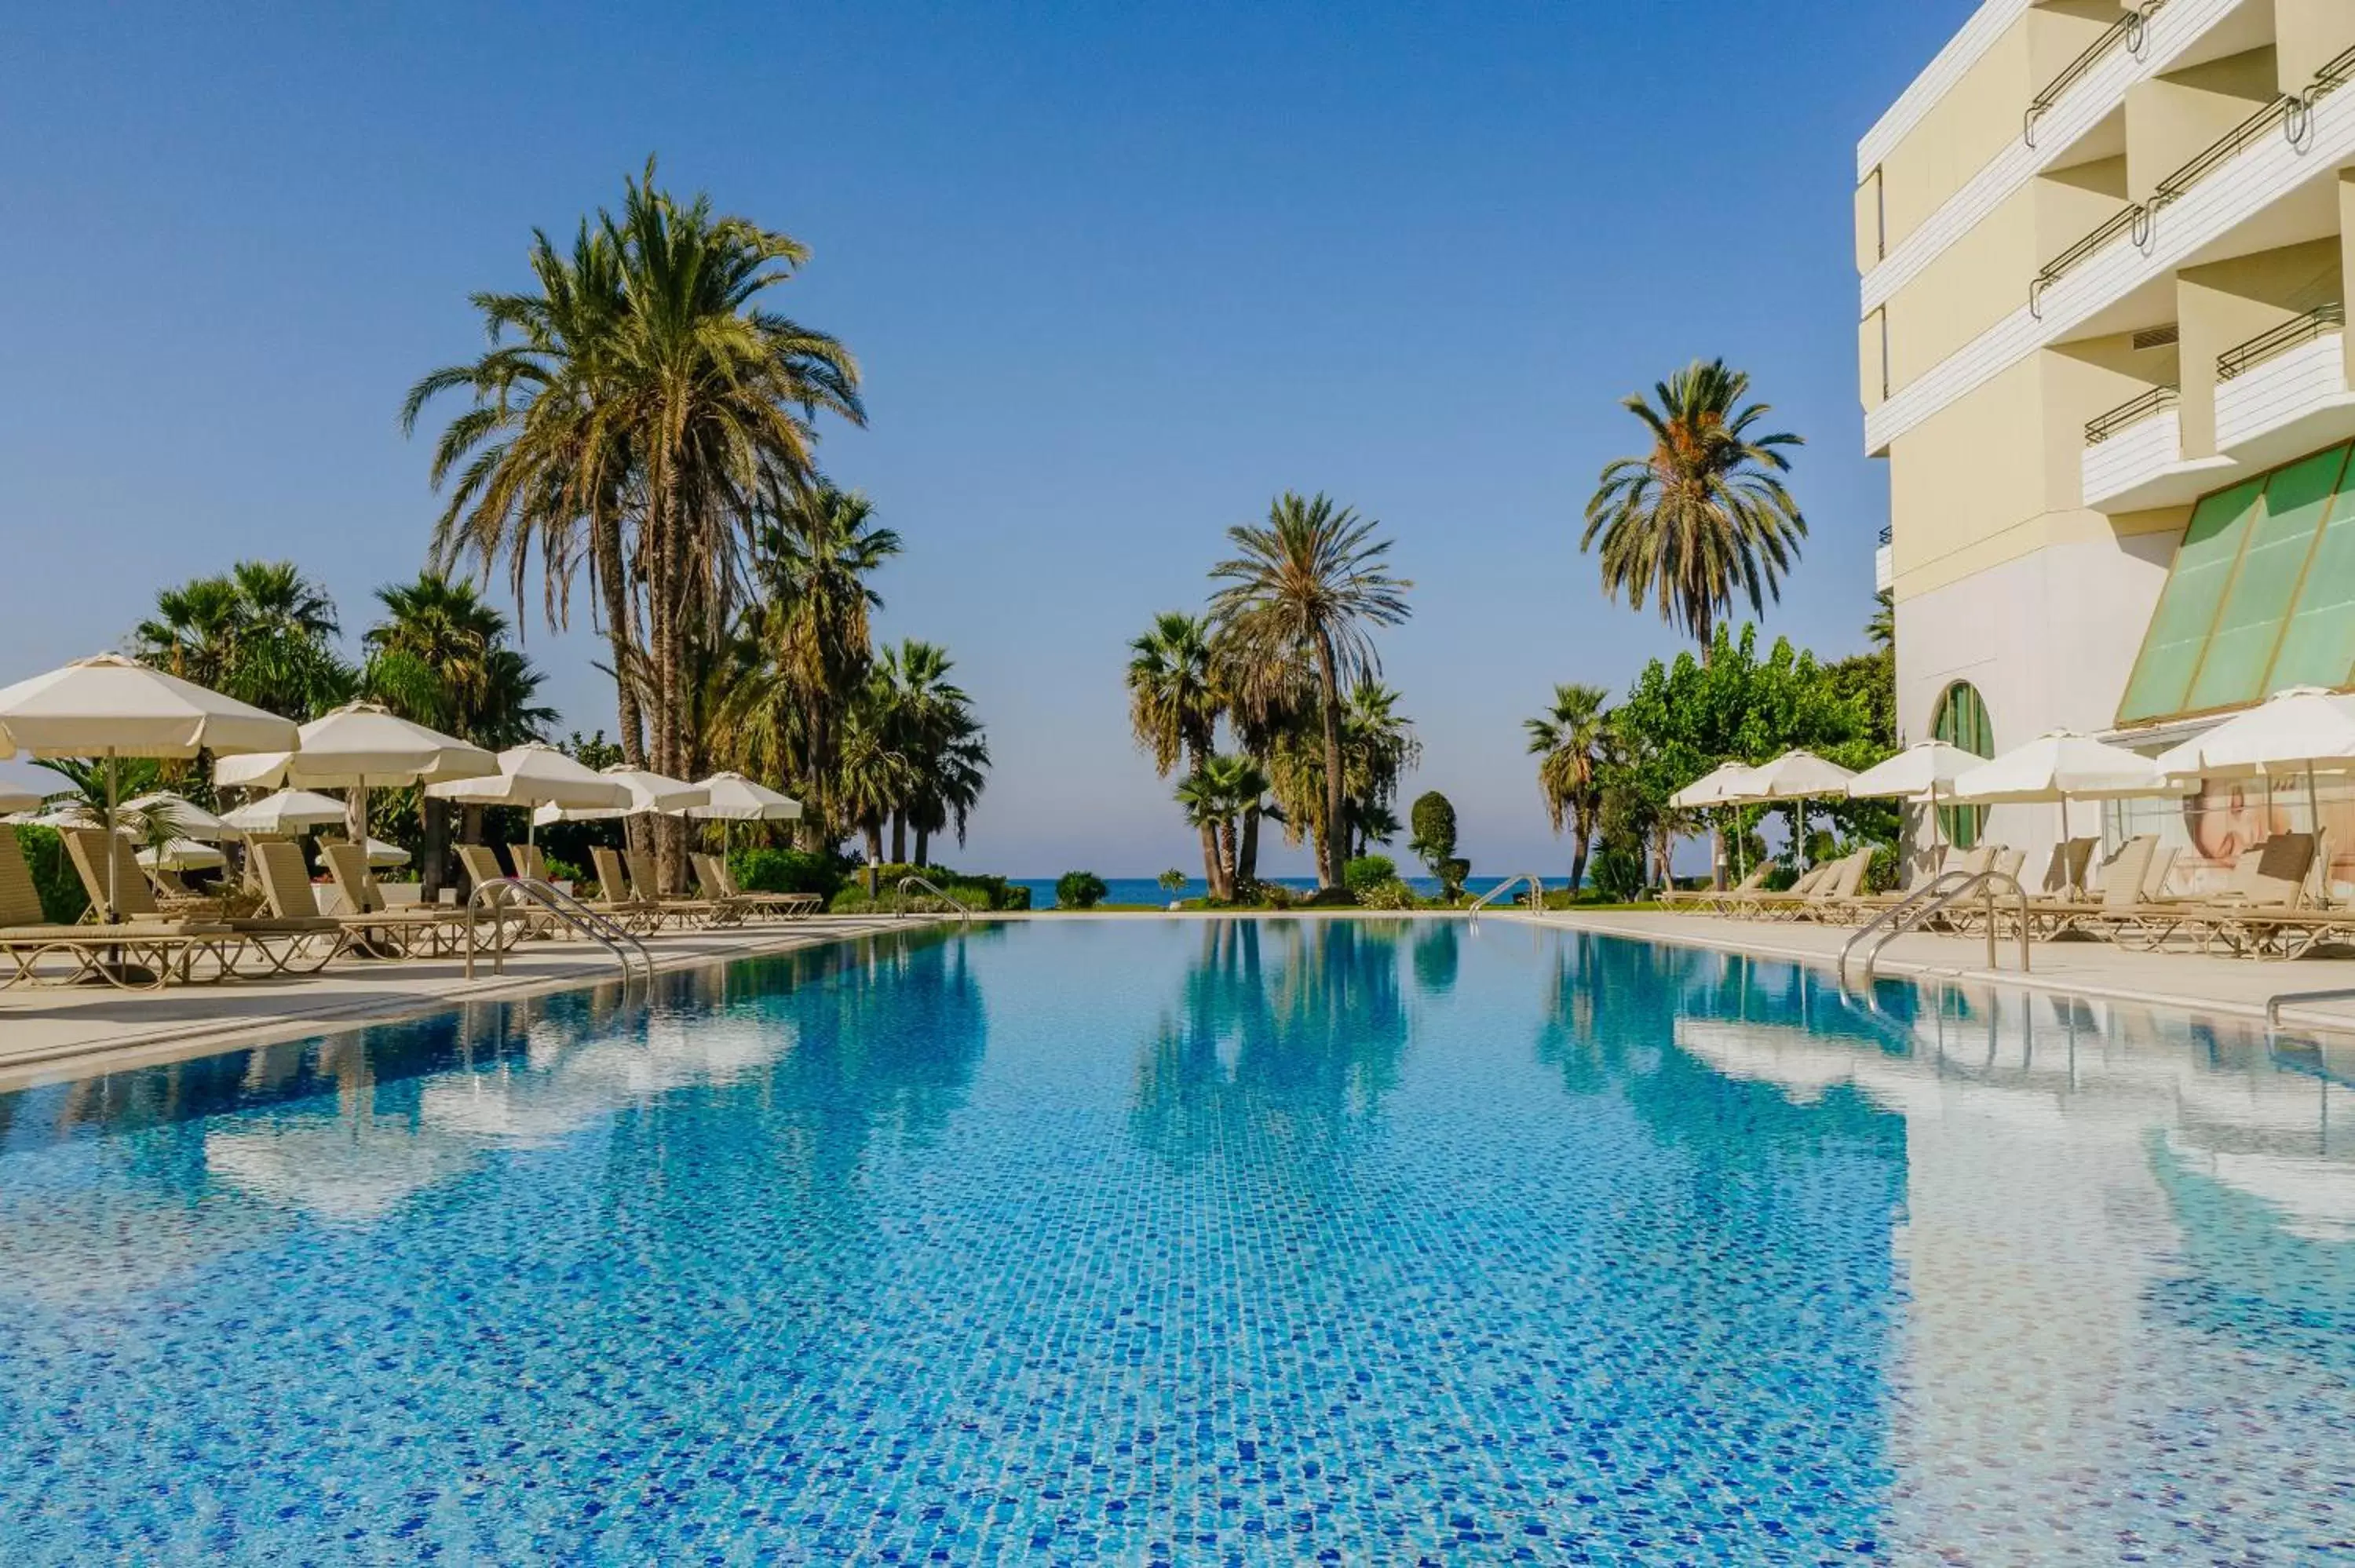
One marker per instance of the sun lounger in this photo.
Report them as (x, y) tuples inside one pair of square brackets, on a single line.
[(133, 955), (272, 945), (615, 900), (528, 862), (1716, 898), (436, 928), (717, 881), (2259, 913), (645, 884)]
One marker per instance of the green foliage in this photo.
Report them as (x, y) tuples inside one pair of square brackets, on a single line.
[(63, 899), (763, 870), (973, 891), (1883, 871), (1330, 898), (596, 752), (1079, 890), (1617, 873), (1171, 881), (1369, 871), (1433, 821), (1390, 893), (1782, 879)]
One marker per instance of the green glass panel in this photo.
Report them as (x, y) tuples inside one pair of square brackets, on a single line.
[(1962, 722), (2318, 649), (2249, 627), (2188, 605)]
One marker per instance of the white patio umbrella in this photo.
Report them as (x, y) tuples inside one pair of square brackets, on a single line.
[(1795, 777), (287, 811), (381, 854), (536, 775), (112, 707), (12, 799), (650, 794), (355, 747), (184, 854), (736, 798), (2062, 766), (1726, 784), (1917, 773), (2303, 729), (187, 818)]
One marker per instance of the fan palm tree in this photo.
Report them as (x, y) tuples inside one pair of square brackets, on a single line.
[(1882, 630), (1569, 741), (872, 777), (815, 555), (1377, 745), (1313, 582), (261, 633), (1174, 702), (1214, 796), (1702, 517), (932, 723)]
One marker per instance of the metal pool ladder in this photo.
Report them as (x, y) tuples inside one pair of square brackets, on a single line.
[(965, 915), (2299, 999), (1537, 896), (610, 934), (1933, 898)]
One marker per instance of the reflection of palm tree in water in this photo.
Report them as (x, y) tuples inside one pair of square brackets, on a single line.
[(1301, 1049)]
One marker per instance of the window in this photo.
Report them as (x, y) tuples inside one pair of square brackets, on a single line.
[(1962, 721), (2261, 596)]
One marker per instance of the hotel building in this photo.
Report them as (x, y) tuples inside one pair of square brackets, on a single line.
[(2106, 263)]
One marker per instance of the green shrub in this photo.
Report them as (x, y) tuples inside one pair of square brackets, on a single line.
[(1883, 870), (1434, 817), (1617, 873), (1369, 871), (1781, 879), (1330, 898), (63, 900), (1079, 890), (764, 870), (1272, 895), (565, 871), (1391, 894)]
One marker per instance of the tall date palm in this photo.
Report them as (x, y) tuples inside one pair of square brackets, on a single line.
[(1703, 517), (1313, 582)]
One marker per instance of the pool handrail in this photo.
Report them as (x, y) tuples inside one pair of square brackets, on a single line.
[(1933, 897), (964, 914), (2280, 999), (501, 892), (1537, 896)]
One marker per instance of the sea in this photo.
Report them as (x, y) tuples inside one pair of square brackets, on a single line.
[(1145, 890)]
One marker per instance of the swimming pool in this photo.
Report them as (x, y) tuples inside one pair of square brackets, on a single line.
[(1150, 1240)]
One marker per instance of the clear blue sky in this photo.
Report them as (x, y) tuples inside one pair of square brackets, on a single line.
[(1116, 275)]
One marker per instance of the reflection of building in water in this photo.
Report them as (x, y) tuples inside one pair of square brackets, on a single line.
[(2067, 1377)]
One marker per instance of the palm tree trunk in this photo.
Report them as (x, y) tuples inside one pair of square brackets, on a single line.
[(1247, 857), (899, 837), (433, 865), (1210, 860), (923, 845), (1583, 836), (1336, 826), (1227, 856)]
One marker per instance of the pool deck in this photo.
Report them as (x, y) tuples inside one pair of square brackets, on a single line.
[(67, 1032), (2228, 986)]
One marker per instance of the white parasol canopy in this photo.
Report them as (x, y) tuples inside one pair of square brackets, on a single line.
[(736, 798), (184, 816), (534, 775), (2299, 730), (650, 794), (109, 706), (381, 854), (1728, 784), (1923, 770), (12, 799), (2060, 766), (357, 745), (287, 811), (112, 707), (184, 854), (1797, 775)]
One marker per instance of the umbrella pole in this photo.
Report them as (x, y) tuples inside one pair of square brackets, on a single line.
[(113, 846)]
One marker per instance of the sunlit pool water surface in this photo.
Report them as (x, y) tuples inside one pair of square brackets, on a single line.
[(1160, 1241)]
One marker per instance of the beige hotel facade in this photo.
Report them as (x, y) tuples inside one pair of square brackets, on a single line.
[(2106, 255)]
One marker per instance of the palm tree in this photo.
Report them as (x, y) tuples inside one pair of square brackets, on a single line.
[(1378, 746), (1214, 796), (542, 469), (932, 724), (813, 558), (1882, 630), (871, 775), (1174, 703), (1313, 582), (1569, 740), (1703, 515)]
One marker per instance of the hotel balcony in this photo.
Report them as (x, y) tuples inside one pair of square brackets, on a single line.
[(2285, 392), (2133, 458)]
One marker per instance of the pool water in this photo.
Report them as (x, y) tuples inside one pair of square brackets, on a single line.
[(1224, 1241)]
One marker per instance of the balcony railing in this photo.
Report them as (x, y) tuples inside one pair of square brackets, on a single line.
[(2234, 142), (2157, 401), (2128, 30), (2241, 359), (2061, 264)]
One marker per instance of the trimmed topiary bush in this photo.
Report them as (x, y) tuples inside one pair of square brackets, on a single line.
[(1366, 872), (1617, 873), (1079, 890)]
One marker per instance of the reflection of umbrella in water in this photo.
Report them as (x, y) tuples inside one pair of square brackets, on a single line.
[(343, 1167)]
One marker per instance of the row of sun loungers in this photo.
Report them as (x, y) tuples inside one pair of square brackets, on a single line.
[(2264, 911), (168, 934)]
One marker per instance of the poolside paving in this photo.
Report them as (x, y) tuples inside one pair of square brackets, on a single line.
[(2197, 982), (47, 1032)]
